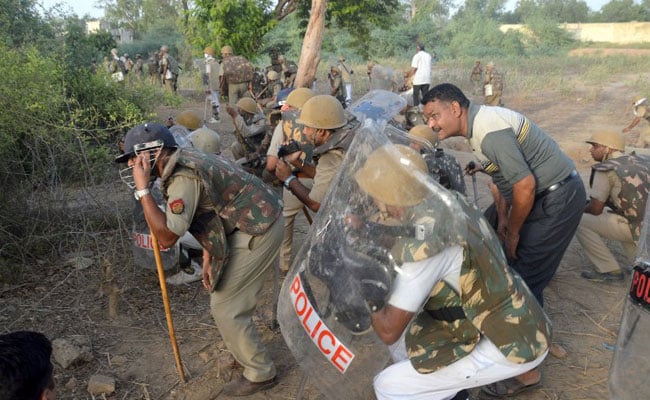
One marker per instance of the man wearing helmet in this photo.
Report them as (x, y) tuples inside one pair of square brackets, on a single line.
[(641, 111), (618, 193), (236, 218), (236, 72), (346, 77), (492, 85), (439, 317), (337, 88), (168, 69), (326, 127), (249, 127), (211, 81), (273, 87), (289, 130)]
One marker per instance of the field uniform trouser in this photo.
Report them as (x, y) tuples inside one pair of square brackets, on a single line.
[(292, 207), (252, 259), (592, 232)]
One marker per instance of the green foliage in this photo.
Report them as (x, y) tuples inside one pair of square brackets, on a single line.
[(623, 11), (547, 37), (236, 23), (21, 24), (553, 10)]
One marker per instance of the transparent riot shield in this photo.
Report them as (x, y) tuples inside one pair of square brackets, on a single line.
[(377, 107), (143, 255), (347, 265), (630, 367), (382, 78)]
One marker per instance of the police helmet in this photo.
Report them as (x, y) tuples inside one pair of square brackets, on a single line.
[(322, 112), (209, 50), (272, 75), (299, 96), (247, 104), (612, 139), (146, 137), (389, 176), (424, 132), (206, 140), (189, 119), (226, 50)]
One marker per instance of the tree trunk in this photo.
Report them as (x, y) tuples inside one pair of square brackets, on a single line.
[(311, 45)]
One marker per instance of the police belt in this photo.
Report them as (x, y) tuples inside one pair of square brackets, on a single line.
[(557, 185), (448, 314)]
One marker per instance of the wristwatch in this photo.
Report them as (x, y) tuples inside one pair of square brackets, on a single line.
[(141, 193), (288, 181)]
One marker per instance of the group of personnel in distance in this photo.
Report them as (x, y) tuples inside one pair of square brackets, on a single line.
[(457, 309)]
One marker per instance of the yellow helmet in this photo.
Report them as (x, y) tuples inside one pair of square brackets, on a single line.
[(189, 119), (206, 140), (209, 50), (226, 50), (612, 139), (389, 176), (247, 104), (322, 112), (424, 132), (272, 75), (298, 97)]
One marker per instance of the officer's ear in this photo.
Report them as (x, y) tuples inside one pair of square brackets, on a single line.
[(456, 109)]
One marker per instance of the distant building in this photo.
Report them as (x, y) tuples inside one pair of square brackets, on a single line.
[(612, 32), (121, 35)]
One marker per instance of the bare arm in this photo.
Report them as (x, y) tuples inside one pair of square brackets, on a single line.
[(523, 198), (634, 123), (390, 322)]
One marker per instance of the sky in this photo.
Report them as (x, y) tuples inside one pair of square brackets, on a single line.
[(83, 7)]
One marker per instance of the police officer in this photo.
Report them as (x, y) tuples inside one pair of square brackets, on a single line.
[(236, 89), (249, 127), (288, 129), (326, 127), (346, 76), (618, 193), (168, 69), (458, 339), (337, 86), (211, 81), (273, 87), (238, 221), (641, 111), (493, 86)]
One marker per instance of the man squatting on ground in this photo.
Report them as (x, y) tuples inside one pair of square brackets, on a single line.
[(446, 330), (238, 221), (536, 180), (618, 193)]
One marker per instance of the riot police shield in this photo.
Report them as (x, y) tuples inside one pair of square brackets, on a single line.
[(346, 268), (630, 368), (382, 78), (377, 107)]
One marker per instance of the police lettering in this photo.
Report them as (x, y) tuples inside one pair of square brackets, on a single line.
[(144, 241), (328, 344), (640, 288)]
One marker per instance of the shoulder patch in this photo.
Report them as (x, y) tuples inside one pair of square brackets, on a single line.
[(177, 206)]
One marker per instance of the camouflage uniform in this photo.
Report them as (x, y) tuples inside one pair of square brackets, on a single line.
[(169, 72), (237, 218), (338, 89), (478, 304), (622, 183), (643, 111), (476, 77), (446, 170), (252, 129), (236, 73)]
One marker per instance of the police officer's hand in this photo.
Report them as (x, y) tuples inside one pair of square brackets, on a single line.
[(142, 170), (232, 111), (282, 170), (293, 158), (207, 270), (473, 167)]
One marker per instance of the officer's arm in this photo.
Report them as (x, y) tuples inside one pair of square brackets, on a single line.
[(594, 206), (157, 222), (390, 322), (302, 193), (634, 123)]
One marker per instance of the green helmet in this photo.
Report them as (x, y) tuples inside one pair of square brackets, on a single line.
[(247, 104), (612, 139), (206, 140), (298, 97), (189, 119), (389, 176), (322, 112)]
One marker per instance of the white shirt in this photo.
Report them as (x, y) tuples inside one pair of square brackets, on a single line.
[(422, 61)]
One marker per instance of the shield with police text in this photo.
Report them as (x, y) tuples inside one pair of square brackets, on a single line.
[(347, 269)]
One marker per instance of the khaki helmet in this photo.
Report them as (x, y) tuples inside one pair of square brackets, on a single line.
[(322, 112), (424, 132), (612, 139), (341, 58), (206, 140), (490, 64), (226, 50), (389, 176), (298, 97), (272, 75), (336, 69), (247, 104), (189, 119), (209, 50)]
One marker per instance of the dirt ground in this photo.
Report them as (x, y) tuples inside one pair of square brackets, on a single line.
[(118, 305)]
